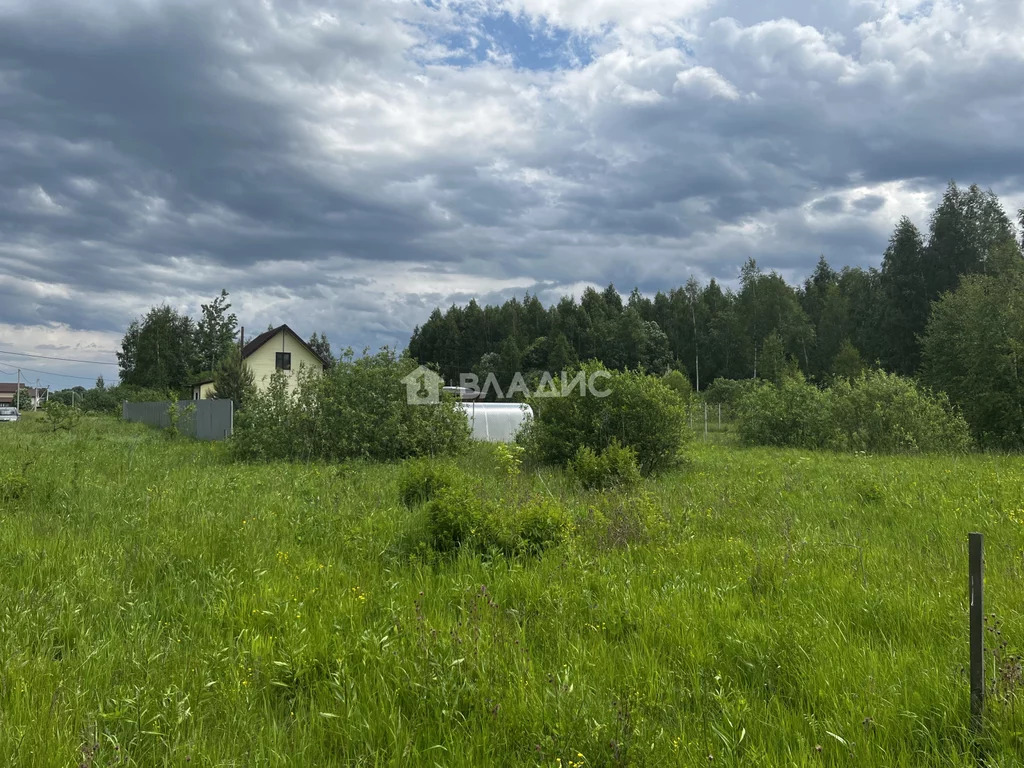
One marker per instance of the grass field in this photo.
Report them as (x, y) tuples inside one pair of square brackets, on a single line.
[(162, 605)]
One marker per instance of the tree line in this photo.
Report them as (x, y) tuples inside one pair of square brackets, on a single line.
[(165, 352), (168, 350), (944, 306)]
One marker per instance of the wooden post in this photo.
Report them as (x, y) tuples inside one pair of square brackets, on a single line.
[(976, 588)]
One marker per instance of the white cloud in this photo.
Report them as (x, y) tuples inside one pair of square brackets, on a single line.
[(705, 82), (644, 16)]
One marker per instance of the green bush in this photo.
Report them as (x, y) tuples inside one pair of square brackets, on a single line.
[(422, 479), (60, 416), (639, 411), (510, 458), (456, 519), (614, 467), (728, 391), (876, 412), (537, 525), (358, 409), (109, 399), (792, 413), (679, 383), (881, 412), (274, 425)]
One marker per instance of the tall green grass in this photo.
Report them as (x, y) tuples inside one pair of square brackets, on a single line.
[(161, 605)]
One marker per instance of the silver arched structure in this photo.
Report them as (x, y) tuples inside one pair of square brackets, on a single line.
[(496, 422)]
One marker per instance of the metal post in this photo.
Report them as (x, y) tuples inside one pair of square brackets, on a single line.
[(976, 588)]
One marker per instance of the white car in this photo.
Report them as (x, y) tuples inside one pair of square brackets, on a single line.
[(8, 414)]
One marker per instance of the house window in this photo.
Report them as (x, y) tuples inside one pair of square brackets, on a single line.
[(283, 361)]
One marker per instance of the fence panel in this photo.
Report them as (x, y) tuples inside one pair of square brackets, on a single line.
[(211, 419)]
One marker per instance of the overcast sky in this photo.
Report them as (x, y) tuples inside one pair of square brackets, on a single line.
[(347, 166)]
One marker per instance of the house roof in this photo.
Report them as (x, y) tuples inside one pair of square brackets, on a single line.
[(266, 336), (12, 386)]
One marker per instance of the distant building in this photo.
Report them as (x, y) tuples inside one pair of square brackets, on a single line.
[(31, 397), (279, 349)]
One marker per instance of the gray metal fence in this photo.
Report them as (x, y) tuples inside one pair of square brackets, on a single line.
[(210, 420)]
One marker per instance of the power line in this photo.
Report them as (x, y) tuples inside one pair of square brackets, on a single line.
[(50, 373), (48, 357)]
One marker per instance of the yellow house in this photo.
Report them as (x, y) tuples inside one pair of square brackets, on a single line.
[(279, 349)]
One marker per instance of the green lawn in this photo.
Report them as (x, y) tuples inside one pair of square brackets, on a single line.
[(162, 605)]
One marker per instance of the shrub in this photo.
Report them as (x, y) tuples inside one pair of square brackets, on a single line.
[(174, 416), (61, 416), (728, 391), (881, 412), (679, 383), (358, 409), (455, 518), (107, 399), (614, 467), (537, 525), (876, 412), (793, 413), (422, 479), (639, 411), (510, 458), (273, 425)]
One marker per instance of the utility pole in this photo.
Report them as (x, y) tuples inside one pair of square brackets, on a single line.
[(18, 391)]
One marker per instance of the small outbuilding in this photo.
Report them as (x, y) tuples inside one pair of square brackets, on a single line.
[(496, 422)]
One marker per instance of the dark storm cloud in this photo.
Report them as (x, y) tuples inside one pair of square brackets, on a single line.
[(163, 112), (343, 167)]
